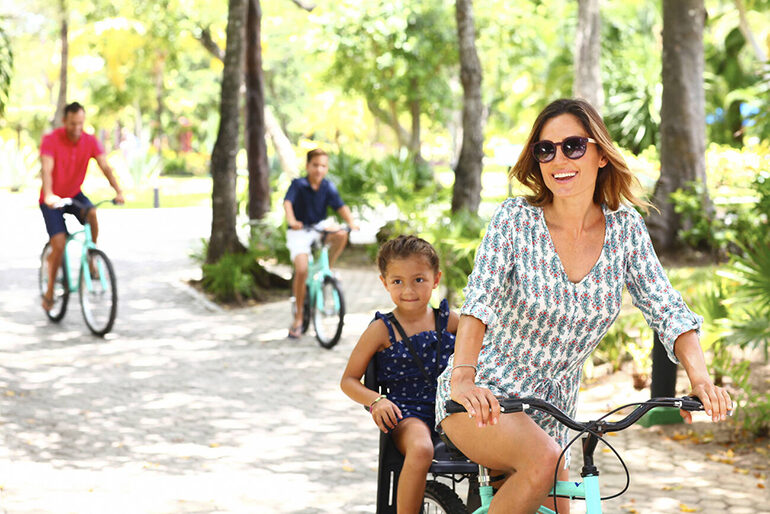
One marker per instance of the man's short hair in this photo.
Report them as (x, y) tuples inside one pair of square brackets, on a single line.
[(73, 108), (315, 153)]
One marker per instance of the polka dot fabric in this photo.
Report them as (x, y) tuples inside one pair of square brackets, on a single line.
[(541, 327), (406, 384)]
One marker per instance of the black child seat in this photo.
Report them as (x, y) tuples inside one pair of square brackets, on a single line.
[(449, 465)]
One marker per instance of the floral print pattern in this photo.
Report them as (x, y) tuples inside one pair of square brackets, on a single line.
[(541, 327)]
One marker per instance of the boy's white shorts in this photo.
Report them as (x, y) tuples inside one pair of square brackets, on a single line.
[(299, 241)]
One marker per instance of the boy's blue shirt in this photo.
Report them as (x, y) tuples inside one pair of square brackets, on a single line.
[(309, 205)]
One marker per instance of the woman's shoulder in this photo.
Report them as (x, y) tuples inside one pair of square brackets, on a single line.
[(626, 215), (516, 208)]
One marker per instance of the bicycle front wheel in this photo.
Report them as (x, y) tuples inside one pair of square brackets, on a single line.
[(329, 313), (440, 499), (98, 293), (61, 288)]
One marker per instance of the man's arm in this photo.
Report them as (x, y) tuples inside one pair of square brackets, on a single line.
[(344, 211), (101, 160), (46, 173), (291, 220)]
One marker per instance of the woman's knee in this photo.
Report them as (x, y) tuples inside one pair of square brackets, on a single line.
[(420, 452), (542, 474)]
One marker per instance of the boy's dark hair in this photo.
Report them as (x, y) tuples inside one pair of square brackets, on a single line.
[(73, 108), (315, 153), (403, 247)]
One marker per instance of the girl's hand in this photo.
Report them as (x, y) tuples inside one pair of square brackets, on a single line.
[(716, 401), (386, 415), (478, 401)]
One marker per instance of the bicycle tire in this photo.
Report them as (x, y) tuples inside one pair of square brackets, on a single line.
[(441, 499), (100, 305), (329, 319), (61, 293), (306, 309)]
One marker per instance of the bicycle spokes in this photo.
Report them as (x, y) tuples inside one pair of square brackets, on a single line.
[(329, 313), (98, 292)]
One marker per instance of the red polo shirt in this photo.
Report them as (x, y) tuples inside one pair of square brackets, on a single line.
[(70, 160)]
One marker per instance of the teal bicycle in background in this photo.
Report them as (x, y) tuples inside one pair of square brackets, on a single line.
[(593, 432), (84, 269), (324, 301)]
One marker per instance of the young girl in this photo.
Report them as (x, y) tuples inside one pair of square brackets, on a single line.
[(409, 271)]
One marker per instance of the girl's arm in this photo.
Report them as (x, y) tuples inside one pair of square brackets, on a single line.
[(384, 412), (716, 401), (454, 320)]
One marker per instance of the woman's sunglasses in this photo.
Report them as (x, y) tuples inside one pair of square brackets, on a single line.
[(573, 147)]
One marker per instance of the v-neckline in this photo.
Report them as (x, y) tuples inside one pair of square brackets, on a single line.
[(561, 264)]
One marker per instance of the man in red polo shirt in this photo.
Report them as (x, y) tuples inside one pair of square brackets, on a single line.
[(64, 154)]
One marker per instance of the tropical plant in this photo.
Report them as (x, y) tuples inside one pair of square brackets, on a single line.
[(19, 167)]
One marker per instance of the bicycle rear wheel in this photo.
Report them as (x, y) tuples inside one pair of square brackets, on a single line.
[(99, 302), (329, 313), (440, 499), (61, 288)]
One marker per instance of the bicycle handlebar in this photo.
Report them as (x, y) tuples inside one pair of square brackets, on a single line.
[(71, 201), (510, 405)]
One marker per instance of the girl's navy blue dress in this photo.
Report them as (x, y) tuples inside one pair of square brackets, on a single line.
[(397, 369)]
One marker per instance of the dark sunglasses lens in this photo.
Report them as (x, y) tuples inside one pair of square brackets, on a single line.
[(574, 147), (544, 151)]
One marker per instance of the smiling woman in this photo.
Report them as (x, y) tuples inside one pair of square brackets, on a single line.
[(546, 286)]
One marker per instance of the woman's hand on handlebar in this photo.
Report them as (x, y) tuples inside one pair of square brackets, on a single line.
[(296, 225), (119, 200), (386, 415), (478, 401), (716, 401)]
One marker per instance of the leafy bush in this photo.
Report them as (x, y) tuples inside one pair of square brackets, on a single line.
[(20, 164), (231, 279)]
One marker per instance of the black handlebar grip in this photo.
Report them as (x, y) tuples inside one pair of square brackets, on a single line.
[(452, 407)]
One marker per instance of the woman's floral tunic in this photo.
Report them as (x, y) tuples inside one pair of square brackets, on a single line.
[(541, 327)]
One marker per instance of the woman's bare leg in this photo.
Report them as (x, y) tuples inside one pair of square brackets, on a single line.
[(516, 445)]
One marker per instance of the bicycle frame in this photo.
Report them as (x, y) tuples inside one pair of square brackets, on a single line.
[(82, 241), (318, 270)]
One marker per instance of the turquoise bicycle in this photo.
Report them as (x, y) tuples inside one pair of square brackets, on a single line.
[(588, 489), (324, 301), (84, 269)]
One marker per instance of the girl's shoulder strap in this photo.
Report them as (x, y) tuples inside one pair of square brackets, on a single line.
[(386, 318), (441, 315)]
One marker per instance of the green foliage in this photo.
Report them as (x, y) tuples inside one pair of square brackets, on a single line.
[(456, 237), (631, 73), (6, 68), (700, 230), (231, 279), (393, 53), (144, 165), (628, 339), (20, 165)]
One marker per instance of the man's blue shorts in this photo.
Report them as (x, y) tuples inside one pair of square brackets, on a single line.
[(54, 218)]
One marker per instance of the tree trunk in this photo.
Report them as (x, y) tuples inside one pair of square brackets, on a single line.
[(224, 238), (467, 188), (61, 102), (158, 71), (759, 53), (256, 149), (682, 116), (390, 119), (588, 78), (282, 145)]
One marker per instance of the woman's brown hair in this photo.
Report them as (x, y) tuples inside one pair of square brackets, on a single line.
[(614, 180)]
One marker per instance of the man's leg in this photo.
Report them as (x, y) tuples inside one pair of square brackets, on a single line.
[(91, 217), (298, 288), (337, 242), (54, 261)]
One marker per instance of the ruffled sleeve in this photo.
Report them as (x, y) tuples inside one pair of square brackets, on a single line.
[(662, 306), (491, 271)]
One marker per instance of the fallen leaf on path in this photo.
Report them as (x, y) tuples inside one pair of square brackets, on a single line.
[(346, 466), (671, 487), (685, 508)]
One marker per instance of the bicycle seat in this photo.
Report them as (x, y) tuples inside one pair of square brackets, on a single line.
[(447, 458)]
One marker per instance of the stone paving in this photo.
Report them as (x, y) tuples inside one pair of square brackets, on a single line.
[(187, 407)]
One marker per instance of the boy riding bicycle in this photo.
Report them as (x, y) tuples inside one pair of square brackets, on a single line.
[(306, 203), (64, 155)]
